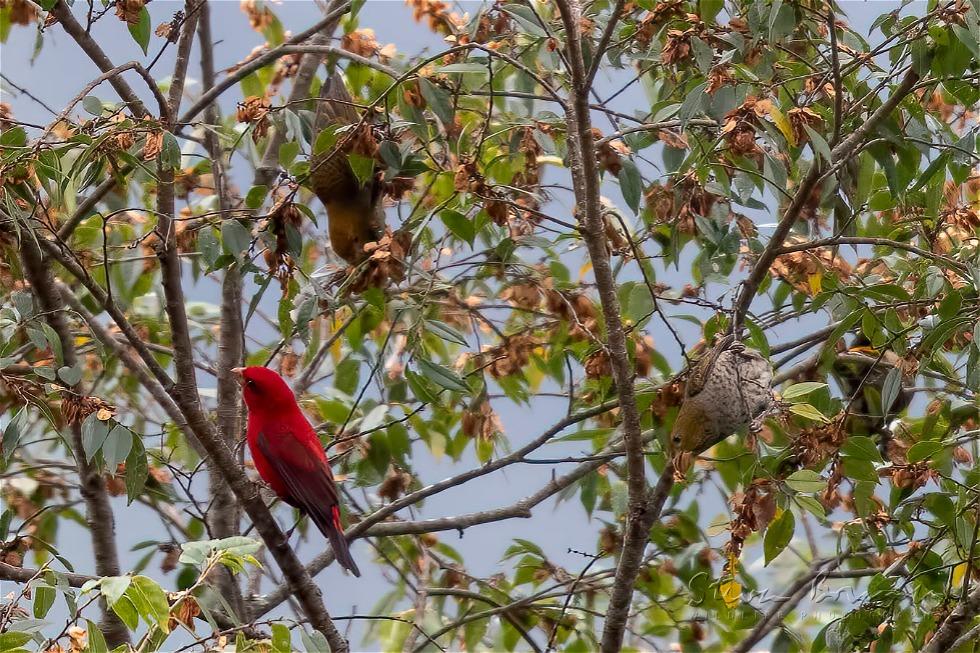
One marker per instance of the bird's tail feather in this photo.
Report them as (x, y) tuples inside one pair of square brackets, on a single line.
[(338, 542)]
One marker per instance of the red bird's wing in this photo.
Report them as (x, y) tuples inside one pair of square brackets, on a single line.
[(311, 488)]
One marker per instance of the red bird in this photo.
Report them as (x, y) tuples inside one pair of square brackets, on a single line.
[(289, 457)]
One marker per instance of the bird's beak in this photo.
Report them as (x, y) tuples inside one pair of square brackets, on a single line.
[(240, 373)]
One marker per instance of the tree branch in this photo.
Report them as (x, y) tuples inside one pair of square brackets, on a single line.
[(585, 179), (792, 213), (98, 511), (85, 41), (224, 514), (262, 60)]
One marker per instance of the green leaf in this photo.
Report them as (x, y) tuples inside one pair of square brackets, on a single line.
[(806, 480), (43, 600), (811, 505), (778, 535), (71, 375), (208, 245), (314, 641), (141, 30), (438, 100), (281, 641), (445, 332), (92, 105), (639, 303), (12, 433), (326, 139), (150, 601), (236, 238), (820, 145), (96, 640), (800, 389), (890, 389), (460, 226), (923, 451), (442, 376), (117, 446), (861, 447), (631, 184), (693, 103), (13, 639), (288, 153), (256, 195), (136, 470), (362, 166), (170, 151), (464, 69), (127, 612), (113, 588), (94, 433), (809, 412), (860, 470)]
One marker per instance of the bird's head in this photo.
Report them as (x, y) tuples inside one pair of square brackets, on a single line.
[(264, 388), (690, 430)]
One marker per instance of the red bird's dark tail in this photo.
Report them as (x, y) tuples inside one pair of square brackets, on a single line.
[(335, 533)]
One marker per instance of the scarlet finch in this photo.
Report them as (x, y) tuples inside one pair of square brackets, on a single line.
[(289, 457)]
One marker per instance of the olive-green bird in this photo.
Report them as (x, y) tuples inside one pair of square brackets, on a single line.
[(355, 212), (726, 389)]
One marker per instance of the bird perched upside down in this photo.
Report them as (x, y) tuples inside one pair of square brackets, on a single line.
[(727, 388), (355, 212), (289, 457)]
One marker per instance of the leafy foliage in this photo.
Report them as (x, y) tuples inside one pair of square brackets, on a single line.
[(729, 122)]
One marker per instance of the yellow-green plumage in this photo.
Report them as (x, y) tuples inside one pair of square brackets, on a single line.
[(354, 210)]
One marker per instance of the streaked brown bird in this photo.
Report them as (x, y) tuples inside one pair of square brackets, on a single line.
[(726, 389), (355, 212)]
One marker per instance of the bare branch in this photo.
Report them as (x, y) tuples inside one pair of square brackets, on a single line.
[(85, 41), (98, 510), (585, 178), (255, 64), (761, 267), (224, 513)]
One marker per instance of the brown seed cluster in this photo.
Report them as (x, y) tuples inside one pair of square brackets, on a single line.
[(509, 357), (481, 421), (740, 126), (22, 12), (490, 27), (6, 116), (255, 111), (909, 476), (436, 14), (278, 259), (676, 203), (653, 20), (363, 42), (719, 76), (395, 484), (609, 154), (186, 611), (129, 11), (259, 15), (386, 260), (75, 408), (153, 144), (753, 510), (804, 270), (812, 446)]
